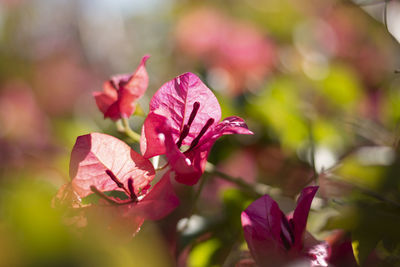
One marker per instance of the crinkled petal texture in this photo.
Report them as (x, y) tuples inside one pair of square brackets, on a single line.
[(93, 154), (185, 111), (118, 99), (268, 233), (177, 97)]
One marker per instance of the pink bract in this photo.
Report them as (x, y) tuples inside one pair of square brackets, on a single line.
[(95, 153), (275, 239), (185, 114), (118, 99), (102, 163)]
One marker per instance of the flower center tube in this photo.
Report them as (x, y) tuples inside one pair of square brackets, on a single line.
[(286, 235), (186, 128), (129, 191)]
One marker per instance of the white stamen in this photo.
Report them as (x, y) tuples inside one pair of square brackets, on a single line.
[(161, 137)]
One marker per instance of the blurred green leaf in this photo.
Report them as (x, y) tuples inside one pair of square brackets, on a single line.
[(202, 254), (279, 17), (353, 171), (363, 245), (235, 201), (341, 87), (278, 107)]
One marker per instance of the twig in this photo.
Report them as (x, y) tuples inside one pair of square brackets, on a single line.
[(312, 148), (162, 167), (367, 191), (257, 189), (385, 16), (129, 132), (369, 3), (193, 205)]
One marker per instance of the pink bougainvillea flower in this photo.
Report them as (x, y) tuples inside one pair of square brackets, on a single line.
[(276, 240), (185, 115), (101, 164), (118, 100)]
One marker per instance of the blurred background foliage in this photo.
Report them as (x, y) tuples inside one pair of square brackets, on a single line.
[(315, 80)]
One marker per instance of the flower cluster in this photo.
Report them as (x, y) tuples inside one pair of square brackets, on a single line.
[(183, 123)]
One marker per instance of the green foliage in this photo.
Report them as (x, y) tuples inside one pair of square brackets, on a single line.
[(371, 212), (278, 107), (341, 88)]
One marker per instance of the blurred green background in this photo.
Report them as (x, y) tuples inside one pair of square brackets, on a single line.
[(315, 80)]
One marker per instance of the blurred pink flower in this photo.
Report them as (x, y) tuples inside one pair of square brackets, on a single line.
[(184, 112), (118, 100), (25, 130), (21, 118), (367, 53), (60, 79), (275, 239), (238, 49)]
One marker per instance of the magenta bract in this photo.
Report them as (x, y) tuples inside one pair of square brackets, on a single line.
[(275, 239), (118, 99), (183, 123)]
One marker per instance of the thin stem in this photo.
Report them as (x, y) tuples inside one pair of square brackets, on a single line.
[(369, 3), (129, 132), (367, 191), (198, 194), (119, 125), (312, 148), (194, 201), (385, 16), (257, 189), (162, 167)]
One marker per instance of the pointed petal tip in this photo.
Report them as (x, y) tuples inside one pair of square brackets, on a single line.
[(145, 58), (310, 190), (96, 93), (188, 76), (245, 219)]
